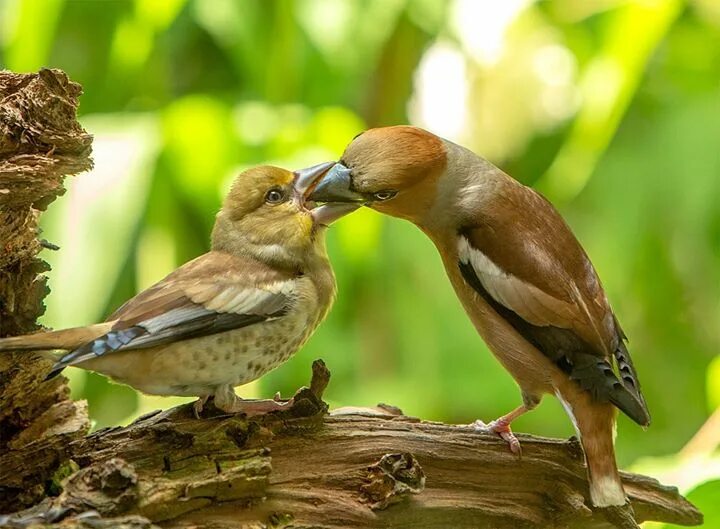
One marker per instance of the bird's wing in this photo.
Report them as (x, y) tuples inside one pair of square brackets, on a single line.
[(214, 293), (539, 279)]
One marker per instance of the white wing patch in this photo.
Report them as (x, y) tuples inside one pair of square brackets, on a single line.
[(261, 301), (223, 299), (528, 301)]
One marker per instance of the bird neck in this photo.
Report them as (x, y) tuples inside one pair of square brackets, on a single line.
[(468, 184), (296, 256)]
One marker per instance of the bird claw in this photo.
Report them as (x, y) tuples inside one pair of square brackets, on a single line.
[(501, 429), (198, 405)]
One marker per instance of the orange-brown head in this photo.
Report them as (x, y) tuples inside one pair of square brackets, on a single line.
[(394, 170)]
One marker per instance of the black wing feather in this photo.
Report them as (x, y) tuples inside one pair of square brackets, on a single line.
[(574, 356)]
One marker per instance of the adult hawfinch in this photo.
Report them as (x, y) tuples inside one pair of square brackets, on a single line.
[(523, 278)]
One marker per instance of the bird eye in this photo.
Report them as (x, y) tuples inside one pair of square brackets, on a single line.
[(384, 195), (274, 196)]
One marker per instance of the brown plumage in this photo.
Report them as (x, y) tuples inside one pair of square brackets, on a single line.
[(228, 316), (520, 273)]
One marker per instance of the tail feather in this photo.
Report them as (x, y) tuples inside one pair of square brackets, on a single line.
[(98, 346), (65, 339), (630, 380), (595, 426), (596, 376)]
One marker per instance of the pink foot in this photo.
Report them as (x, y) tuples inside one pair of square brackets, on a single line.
[(502, 429), (252, 408), (227, 401), (198, 405)]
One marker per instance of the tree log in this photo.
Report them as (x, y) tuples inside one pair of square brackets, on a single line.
[(353, 468), (302, 468)]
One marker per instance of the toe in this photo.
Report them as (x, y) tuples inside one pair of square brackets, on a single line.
[(198, 406), (512, 442), (501, 429), (480, 426)]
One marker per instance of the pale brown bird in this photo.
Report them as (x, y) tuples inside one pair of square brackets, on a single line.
[(228, 316), (522, 277)]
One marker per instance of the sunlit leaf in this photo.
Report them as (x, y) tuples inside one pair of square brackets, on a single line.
[(713, 383), (607, 86), (30, 40), (200, 144)]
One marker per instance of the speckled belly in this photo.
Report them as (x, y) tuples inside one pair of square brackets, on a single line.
[(199, 365)]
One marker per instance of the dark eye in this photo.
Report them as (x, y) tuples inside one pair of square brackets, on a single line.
[(384, 195), (274, 196)]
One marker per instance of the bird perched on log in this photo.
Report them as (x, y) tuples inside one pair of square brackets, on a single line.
[(520, 273), (228, 316)]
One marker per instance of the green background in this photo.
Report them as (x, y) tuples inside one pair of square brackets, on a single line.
[(610, 108)]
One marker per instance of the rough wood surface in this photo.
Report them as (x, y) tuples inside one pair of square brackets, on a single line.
[(303, 468), (353, 468), (40, 143)]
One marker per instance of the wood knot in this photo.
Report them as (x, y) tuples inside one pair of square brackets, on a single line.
[(279, 520), (391, 479), (248, 434), (171, 437), (109, 487), (574, 448), (320, 378)]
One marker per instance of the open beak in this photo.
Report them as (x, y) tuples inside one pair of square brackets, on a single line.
[(336, 186), (306, 178), (306, 182)]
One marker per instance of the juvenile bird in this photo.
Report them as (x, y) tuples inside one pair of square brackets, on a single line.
[(520, 273), (228, 316)]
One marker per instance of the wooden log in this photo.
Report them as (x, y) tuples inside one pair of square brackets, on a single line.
[(303, 468)]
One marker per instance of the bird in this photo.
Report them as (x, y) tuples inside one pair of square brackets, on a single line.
[(521, 275), (228, 316)]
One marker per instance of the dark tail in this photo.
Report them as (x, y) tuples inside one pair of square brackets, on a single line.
[(631, 382), (596, 376)]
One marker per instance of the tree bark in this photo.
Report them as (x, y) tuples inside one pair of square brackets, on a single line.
[(40, 143), (302, 468)]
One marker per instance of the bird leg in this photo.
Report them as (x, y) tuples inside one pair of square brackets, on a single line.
[(501, 427), (227, 401), (199, 404)]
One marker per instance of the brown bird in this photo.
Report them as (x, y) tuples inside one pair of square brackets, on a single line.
[(228, 316), (522, 277)]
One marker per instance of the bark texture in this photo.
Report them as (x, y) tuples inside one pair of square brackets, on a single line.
[(40, 143), (302, 468)]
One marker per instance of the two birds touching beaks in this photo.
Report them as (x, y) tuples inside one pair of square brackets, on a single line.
[(238, 311)]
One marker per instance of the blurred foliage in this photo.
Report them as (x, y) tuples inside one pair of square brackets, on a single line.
[(610, 107)]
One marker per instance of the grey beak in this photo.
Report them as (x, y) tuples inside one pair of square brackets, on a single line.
[(305, 178), (325, 214), (336, 186)]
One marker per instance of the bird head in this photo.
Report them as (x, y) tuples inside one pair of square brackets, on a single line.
[(394, 170), (267, 215)]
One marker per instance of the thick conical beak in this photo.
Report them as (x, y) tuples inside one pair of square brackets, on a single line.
[(336, 186), (306, 180)]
